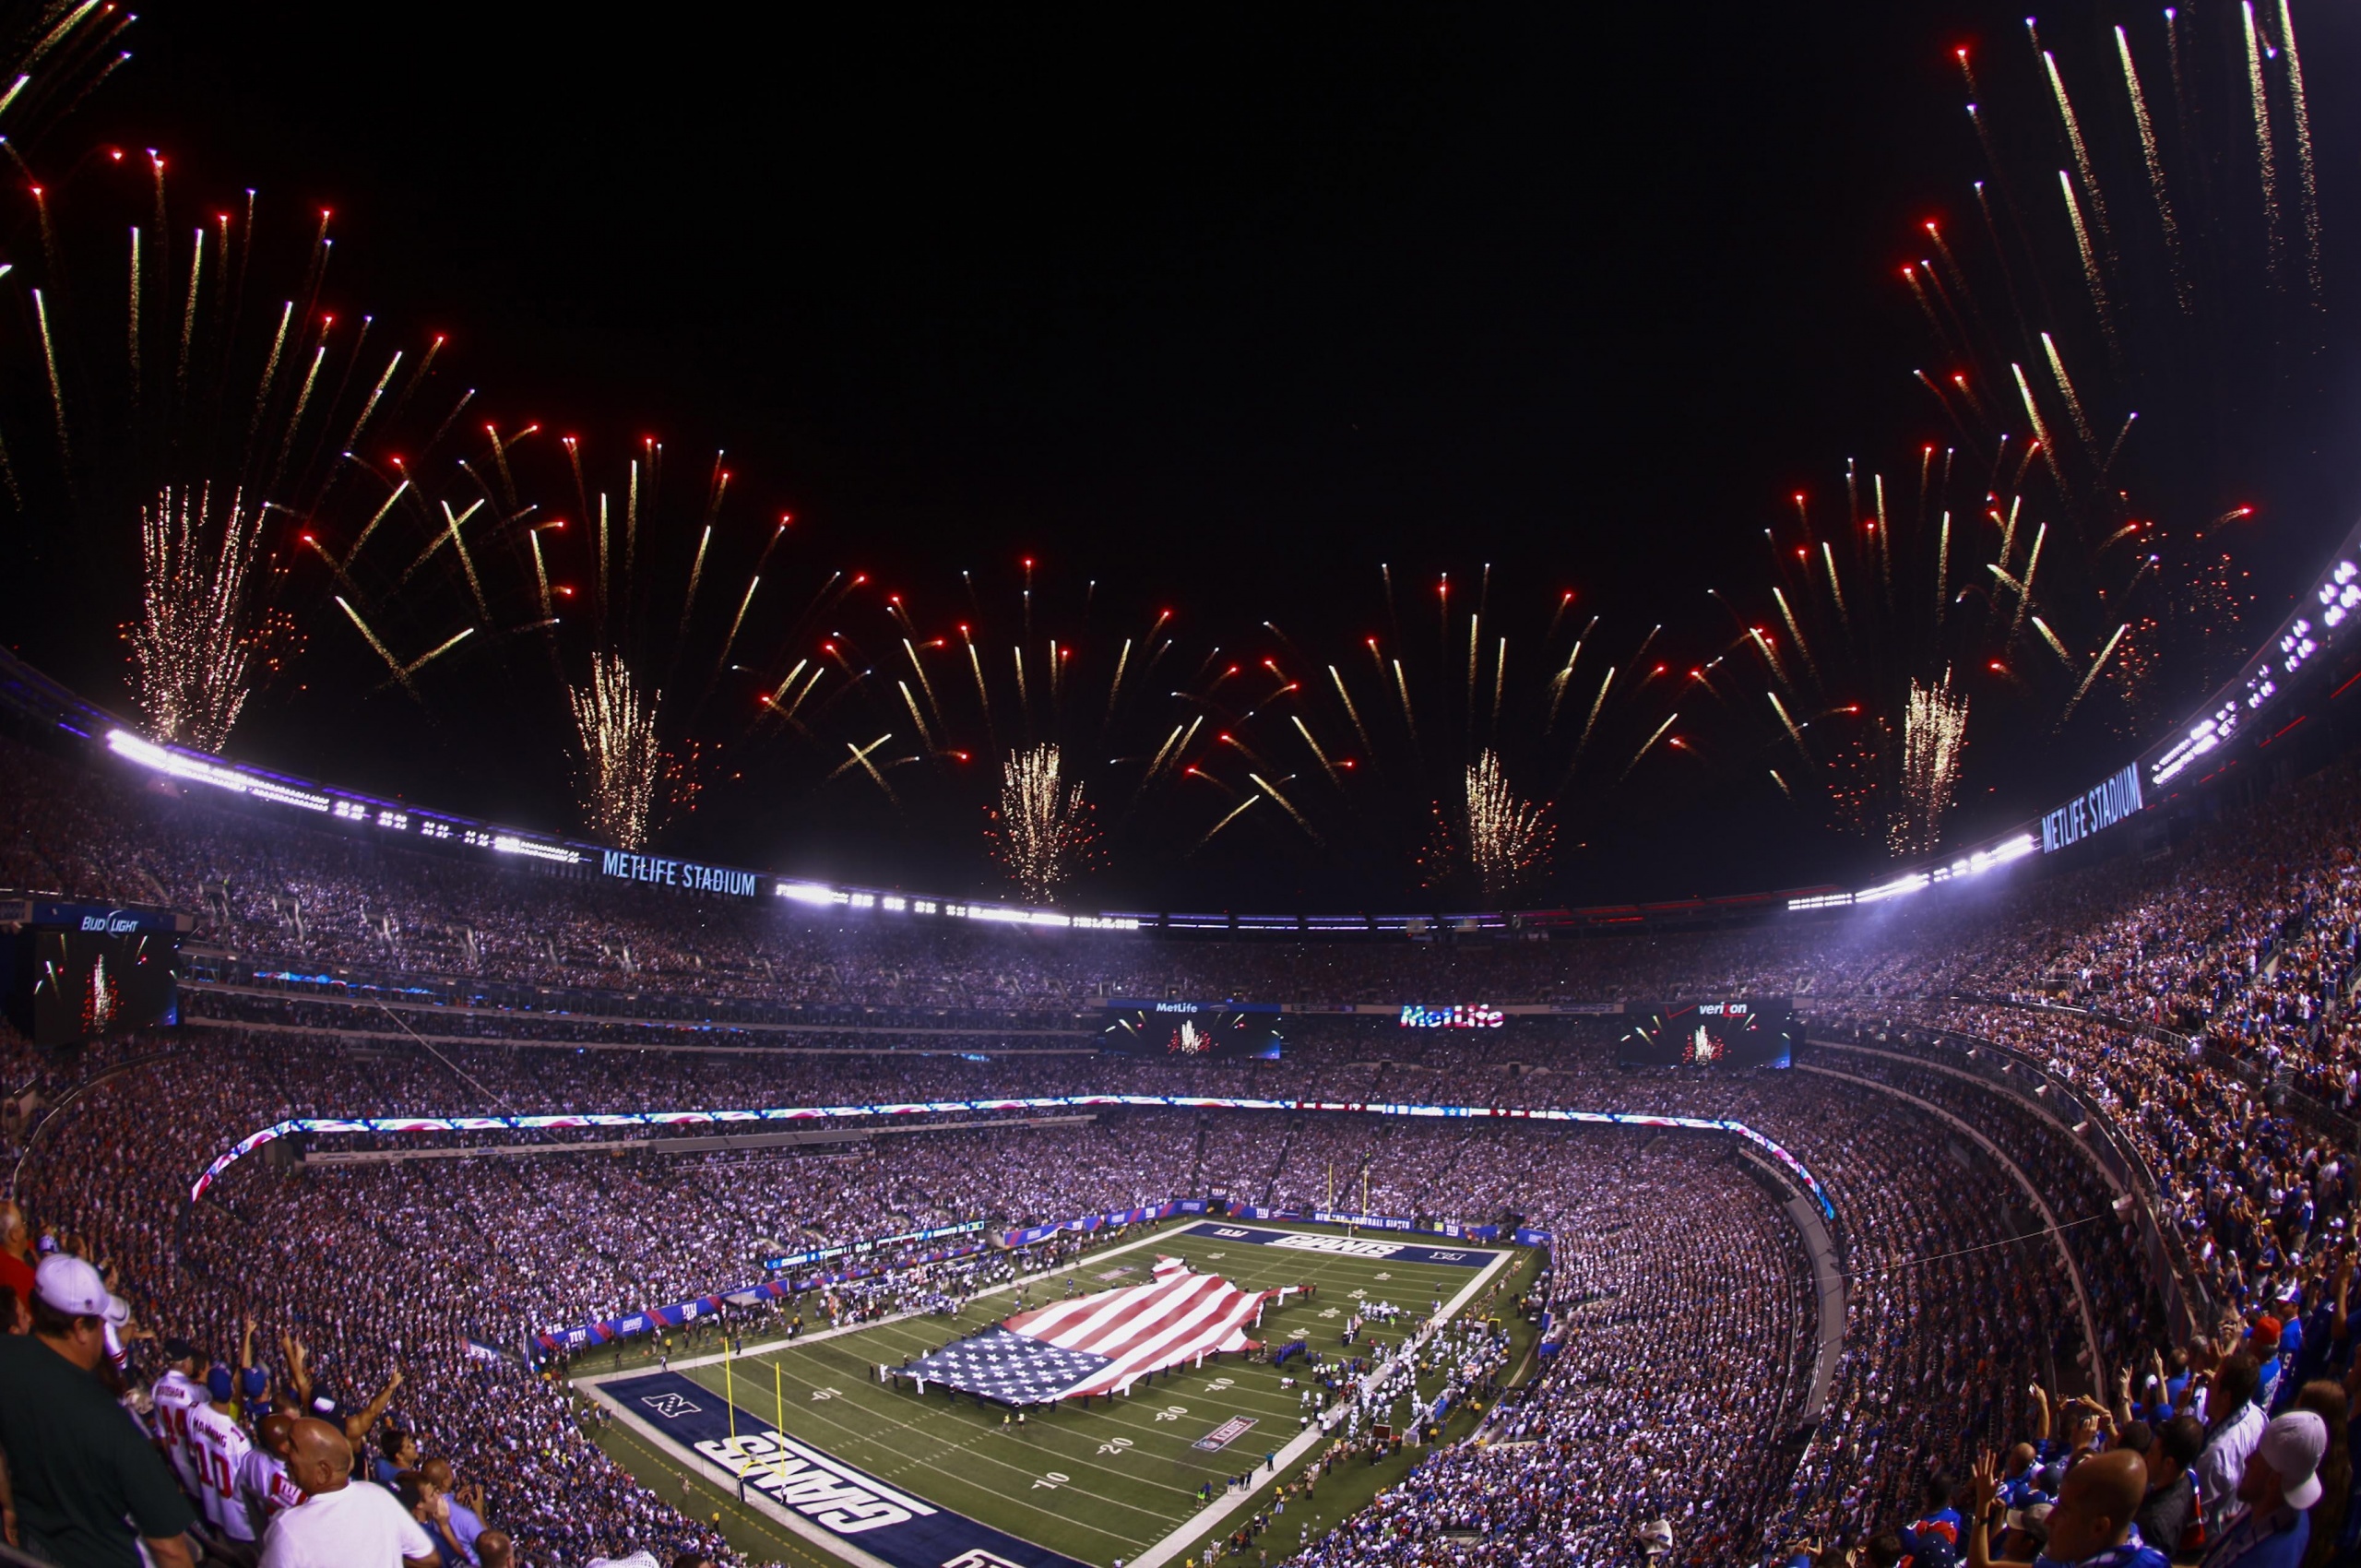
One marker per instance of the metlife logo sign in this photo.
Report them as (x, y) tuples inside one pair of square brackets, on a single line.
[(1476, 1015)]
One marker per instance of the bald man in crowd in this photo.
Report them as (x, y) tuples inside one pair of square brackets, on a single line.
[(2092, 1524), (341, 1522)]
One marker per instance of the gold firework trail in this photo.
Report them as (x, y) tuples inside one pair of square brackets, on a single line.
[(2266, 156), (1325, 766), (2156, 165), (1288, 806), (1646, 744), (2074, 143), (2307, 180), (2066, 390), (1350, 711), (2040, 429), (2097, 665), (2091, 276)]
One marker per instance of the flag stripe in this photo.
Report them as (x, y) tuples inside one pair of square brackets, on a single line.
[(1142, 1316), (1216, 1327), (1102, 1343)]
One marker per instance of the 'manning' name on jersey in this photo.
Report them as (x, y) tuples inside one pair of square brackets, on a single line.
[(220, 1446)]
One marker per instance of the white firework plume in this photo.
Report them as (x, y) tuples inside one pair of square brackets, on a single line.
[(622, 765), (1041, 830), (1508, 836), (1934, 741), (200, 645)]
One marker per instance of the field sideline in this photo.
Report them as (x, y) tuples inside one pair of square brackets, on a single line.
[(1118, 1480)]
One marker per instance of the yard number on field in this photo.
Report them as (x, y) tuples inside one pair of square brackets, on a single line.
[(1053, 1480), (1115, 1445), (1172, 1412), (1217, 1384)]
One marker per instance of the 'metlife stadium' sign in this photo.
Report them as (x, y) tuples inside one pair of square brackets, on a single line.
[(686, 875), (2111, 801)]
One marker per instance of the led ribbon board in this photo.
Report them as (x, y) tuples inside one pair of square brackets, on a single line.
[(406, 1124)]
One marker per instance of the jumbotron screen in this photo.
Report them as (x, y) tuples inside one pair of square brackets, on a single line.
[(1193, 1031), (86, 984), (1711, 1034)]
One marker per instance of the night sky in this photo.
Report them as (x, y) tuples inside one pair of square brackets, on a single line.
[(1220, 311)]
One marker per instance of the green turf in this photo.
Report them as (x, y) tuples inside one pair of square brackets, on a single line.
[(1114, 1479)]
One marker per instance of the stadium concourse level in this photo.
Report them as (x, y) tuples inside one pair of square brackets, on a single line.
[(2193, 1006)]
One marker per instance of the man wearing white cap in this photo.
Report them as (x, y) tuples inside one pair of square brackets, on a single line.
[(2282, 1482), (80, 1476)]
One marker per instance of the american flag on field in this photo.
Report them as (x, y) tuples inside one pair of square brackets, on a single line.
[(1102, 1343)]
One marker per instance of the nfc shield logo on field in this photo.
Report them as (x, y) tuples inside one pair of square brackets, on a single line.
[(672, 1407)]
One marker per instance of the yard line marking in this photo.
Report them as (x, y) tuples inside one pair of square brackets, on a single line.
[(865, 1430)]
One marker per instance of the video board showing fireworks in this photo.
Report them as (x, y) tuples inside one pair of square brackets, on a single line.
[(1757, 1033), (87, 984), (1192, 1031)]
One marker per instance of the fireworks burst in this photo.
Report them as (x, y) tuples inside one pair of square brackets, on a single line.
[(200, 637), (169, 355), (1934, 741), (1400, 744), (622, 613), (1041, 831), (2120, 271), (622, 761), (1508, 836), (933, 693)]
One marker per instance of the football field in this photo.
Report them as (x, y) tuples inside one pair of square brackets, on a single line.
[(869, 1472)]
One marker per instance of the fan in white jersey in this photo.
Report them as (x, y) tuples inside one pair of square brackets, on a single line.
[(220, 1445), (263, 1477), (176, 1394)]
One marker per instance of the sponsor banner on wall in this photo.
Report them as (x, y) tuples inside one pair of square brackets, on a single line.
[(1033, 1233), (577, 1336)]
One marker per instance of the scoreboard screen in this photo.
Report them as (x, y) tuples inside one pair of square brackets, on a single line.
[(1711, 1034), (86, 984), (1192, 1031)]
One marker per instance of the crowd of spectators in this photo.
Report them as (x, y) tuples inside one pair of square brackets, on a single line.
[(2196, 1002), (1686, 1353)]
